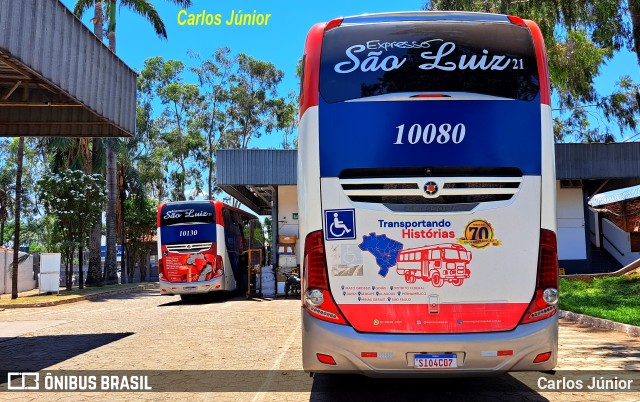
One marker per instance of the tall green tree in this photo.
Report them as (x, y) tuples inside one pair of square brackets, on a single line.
[(74, 198), (94, 273), (286, 114), (75, 153), (146, 10), (254, 100), (178, 126), (151, 155), (7, 186), (18, 205), (214, 121), (140, 215), (580, 36), (17, 161)]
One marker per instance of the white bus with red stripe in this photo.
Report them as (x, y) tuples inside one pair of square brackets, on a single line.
[(203, 246), (427, 196)]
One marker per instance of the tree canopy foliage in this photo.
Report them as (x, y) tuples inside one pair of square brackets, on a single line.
[(73, 198), (581, 37), (233, 100)]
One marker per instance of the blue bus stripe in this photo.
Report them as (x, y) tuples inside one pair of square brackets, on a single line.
[(498, 133)]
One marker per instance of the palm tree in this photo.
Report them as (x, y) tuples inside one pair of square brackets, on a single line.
[(145, 9)]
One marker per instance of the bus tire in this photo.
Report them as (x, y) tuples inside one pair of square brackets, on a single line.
[(456, 281), (437, 280)]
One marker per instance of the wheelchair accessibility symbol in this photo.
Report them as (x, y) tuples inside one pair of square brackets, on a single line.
[(340, 224)]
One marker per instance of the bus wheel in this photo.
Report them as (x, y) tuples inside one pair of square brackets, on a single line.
[(410, 277), (437, 280), (456, 281)]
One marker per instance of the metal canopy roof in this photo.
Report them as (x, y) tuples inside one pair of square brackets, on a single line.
[(250, 175), (598, 168), (598, 161), (57, 78)]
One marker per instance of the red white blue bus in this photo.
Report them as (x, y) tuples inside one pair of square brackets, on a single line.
[(202, 247), (427, 196)]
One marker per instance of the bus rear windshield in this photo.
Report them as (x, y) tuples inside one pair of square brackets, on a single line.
[(363, 60), (188, 212)]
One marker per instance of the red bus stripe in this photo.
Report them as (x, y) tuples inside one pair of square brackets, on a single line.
[(541, 56), (450, 319), (311, 77)]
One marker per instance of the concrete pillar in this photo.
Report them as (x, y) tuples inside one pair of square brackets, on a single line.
[(587, 217)]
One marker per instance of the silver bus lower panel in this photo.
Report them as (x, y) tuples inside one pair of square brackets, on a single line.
[(181, 288), (477, 353)]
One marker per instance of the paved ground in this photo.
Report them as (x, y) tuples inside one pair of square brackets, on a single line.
[(259, 339)]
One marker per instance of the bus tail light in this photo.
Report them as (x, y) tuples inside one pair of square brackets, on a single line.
[(317, 297), (161, 269), (545, 299), (326, 359), (218, 268), (542, 357)]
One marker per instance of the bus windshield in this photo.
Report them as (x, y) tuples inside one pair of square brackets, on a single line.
[(181, 213), (187, 222), (407, 57)]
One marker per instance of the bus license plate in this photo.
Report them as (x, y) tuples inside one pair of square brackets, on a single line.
[(435, 361), (189, 288)]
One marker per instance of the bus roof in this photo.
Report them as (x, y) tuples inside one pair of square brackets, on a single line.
[(425, 16)]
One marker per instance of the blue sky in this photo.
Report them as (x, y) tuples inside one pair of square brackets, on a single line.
[(280, 42)]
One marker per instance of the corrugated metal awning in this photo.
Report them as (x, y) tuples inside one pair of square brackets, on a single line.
[(252, 175), (598, 161), (57, 78)]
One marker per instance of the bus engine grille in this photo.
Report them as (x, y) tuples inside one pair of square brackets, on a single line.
[(431, 190), (189, 247)]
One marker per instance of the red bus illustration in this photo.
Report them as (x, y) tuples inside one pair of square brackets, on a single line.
[(436, 263)]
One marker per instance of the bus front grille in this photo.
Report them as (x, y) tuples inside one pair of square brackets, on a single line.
[(431, 190), (189, 247)]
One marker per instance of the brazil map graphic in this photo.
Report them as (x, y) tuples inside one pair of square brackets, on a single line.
[(385, 251)]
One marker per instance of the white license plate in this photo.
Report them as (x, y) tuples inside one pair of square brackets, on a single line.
[(446, 361), (189, 288)]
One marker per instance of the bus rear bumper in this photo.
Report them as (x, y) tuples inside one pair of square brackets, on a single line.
[(181, 288), (477, 354)]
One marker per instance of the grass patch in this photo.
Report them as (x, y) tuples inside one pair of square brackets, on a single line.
[(611, 298), (64, 294)]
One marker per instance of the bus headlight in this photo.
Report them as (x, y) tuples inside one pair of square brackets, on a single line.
[(314, 297), (550, 296)]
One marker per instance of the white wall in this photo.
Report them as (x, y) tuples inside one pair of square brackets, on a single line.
[(25, 273), (617, 243), (571, 236), (287, 206)]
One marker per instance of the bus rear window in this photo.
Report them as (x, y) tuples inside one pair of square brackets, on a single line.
[(366, 60), (187, 212)]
